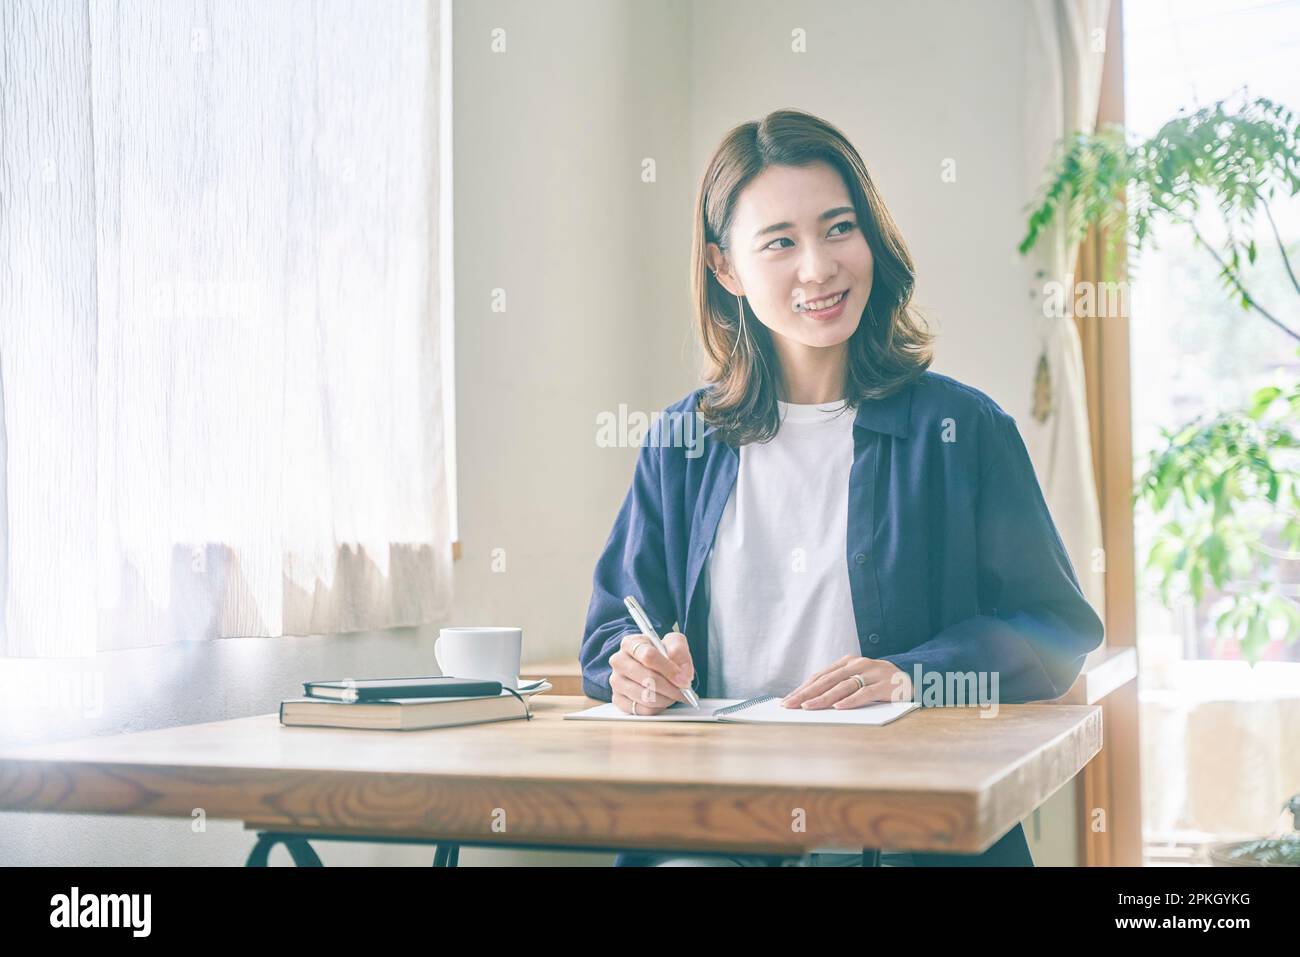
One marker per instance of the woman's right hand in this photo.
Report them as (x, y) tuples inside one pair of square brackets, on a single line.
[(644, 676)]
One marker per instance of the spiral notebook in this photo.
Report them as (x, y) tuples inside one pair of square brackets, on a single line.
[(765, 709)]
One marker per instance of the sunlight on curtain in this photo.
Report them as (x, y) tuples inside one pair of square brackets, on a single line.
[(1063, 85), (219, 335)]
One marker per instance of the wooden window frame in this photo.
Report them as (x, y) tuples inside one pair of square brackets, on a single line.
[(1111, 783)]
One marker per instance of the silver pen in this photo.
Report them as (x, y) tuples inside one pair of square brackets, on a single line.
[(643, 622)]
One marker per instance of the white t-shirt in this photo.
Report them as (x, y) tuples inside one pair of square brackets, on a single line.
[(780, 608)]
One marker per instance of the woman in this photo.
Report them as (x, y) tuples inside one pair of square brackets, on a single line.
[(849, 528)]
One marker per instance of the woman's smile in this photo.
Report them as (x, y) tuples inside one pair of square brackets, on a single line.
[(832, 307)]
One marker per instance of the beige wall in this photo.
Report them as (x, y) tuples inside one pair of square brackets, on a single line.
[(550, 207)]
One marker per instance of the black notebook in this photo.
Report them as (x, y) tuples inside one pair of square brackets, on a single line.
[(403, 714), (412, 714), (389, 689)]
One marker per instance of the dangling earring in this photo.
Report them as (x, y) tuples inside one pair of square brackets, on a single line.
[(740, 332)]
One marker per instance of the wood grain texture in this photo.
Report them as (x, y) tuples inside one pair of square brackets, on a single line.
[(938, 779)]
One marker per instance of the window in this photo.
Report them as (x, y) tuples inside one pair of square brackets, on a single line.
[(220, 336)]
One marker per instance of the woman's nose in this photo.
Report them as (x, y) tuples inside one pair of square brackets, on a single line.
[(817, 266)]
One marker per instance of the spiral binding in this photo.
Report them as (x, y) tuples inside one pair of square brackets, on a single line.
[(732, 708)]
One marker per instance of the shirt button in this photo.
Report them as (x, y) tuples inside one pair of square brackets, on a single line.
[(860, 558), (873, 638)]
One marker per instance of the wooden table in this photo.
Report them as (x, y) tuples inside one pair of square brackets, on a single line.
[(938, 779)]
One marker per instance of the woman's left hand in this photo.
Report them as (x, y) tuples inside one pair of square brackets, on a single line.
[(835, 685)]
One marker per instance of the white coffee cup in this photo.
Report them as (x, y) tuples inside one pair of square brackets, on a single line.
[(490, 654)]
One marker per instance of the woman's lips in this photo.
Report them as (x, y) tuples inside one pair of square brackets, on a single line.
[(830, 313)]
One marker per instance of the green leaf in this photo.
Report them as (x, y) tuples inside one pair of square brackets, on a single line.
[(1220, 497), (1217, 558), (1262, 399), (1256, 641)]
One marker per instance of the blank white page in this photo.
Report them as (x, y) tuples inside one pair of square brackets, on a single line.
[(678, 712), (765, 712), (772, 712)]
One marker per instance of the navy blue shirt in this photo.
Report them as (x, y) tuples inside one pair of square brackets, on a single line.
[(954, 562)]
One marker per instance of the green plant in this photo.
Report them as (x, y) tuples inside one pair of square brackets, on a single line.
[(1283, 851), (1226, 487), (1239, 160)]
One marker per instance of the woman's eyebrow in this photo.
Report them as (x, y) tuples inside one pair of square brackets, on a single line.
[(829, 214)]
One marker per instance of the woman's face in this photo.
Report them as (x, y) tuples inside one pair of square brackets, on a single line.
[(796, 242)]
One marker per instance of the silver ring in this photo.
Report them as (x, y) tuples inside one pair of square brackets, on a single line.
[(858, 678), (634, 707)]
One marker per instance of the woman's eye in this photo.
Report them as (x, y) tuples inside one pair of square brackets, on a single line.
[(849, 223)]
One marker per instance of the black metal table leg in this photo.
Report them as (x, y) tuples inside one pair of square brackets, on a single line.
[(446, 855), (298, 848)]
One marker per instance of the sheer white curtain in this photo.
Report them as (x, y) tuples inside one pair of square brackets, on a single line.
[(220, 399), (1063, 85)]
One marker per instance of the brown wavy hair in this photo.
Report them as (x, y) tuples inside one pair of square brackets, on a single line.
[(891, 346)]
